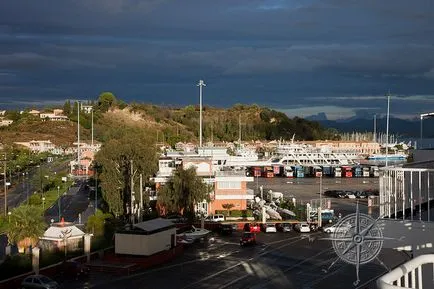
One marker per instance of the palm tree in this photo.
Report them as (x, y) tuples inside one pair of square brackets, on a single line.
[(96, 223), (228, 207), (25, 227)]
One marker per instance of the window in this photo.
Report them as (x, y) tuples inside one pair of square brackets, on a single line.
[(229, 185)]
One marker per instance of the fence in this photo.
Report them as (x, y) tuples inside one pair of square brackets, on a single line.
[(405, 191)]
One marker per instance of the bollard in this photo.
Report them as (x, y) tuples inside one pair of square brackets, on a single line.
[(35, 260), (87, 246)]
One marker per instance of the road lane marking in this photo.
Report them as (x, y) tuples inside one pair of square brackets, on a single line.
[(282, 271), (240, 263)]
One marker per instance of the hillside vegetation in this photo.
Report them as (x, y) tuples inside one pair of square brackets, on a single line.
[(166, 124)]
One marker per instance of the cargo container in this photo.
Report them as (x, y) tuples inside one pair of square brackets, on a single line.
[(288, 172), (276, 170), (357, 171), (347, 172), (375, 172), (338, 172), (268, 172), (257, 171), (327, 171), (299, 171), (317, 172), (365, 172)]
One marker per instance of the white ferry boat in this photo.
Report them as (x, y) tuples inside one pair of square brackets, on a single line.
[(391, 157), (306, 155)]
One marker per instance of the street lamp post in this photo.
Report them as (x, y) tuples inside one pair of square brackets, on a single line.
[(43, 204), (200, 84), (5, 186), (58, 200), (9, 216), (320, 203), (387, 128)]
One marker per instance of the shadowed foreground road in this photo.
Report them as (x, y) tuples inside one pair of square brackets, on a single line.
[(280, 260)]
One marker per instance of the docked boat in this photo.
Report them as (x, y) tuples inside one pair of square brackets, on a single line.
[(195, 233), (391, 157)]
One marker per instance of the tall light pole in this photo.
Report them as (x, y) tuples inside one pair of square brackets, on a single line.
[(5, 185), (78, 137), (320, 203), (200, 84), (92, 126), (422, 116), (375, 128), (387, 127), (58, 200)]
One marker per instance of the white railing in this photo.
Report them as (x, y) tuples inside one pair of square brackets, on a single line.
[(410, 274)]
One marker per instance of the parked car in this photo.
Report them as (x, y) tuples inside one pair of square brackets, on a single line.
[(248, 239), (225, 229), (74, 269), (270, 228), (39, 281), (253, 228), (286, 227), (215, 218), (303, 228), (333, 228)]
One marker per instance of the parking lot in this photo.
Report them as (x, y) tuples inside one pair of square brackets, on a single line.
[(279, 260)]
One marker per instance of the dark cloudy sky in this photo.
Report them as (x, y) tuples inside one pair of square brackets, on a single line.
[(301, 56)]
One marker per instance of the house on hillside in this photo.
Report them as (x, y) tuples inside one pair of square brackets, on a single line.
[(38, 146), (87, 108), (34, 112), (5, 122)]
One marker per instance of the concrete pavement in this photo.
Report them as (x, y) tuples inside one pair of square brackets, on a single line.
[(280, 260)]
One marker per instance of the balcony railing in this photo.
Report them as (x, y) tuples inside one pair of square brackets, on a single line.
[(416, 273)]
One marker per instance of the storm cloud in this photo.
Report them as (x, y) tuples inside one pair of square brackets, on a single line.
[(284, 54)]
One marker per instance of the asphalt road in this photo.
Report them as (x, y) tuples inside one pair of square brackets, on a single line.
[(280, 260), (73, 202)]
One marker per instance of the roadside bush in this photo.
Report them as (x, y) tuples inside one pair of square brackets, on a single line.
[(236, 213), (15, 265)]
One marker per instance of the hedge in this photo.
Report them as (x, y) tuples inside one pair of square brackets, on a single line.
[(236, 213)]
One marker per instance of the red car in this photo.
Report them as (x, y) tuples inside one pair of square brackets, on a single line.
[(252, 228), (248, 239)]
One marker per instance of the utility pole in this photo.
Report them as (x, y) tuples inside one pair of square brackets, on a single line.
[(239, 128), (320, 203), (387, 127), (58, 201), (5, 185), (375, 128), (96, 187), (132, 191), (141, 195), (78, 137), (200, 84), (92, 126)]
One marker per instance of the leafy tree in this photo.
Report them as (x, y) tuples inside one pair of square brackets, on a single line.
[(228, 207), (183, 191), (96, 223), (26, 226), (67, 108), (123, 146), (106, 100)]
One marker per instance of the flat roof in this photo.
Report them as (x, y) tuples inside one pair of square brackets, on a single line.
[(151, 226)]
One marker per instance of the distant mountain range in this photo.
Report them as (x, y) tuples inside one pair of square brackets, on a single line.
[(402, 127)]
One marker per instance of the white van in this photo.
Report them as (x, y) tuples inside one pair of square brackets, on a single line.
[(216, 218)]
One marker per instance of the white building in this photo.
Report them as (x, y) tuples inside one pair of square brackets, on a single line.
[(38, 146), (87, 108), (6, 122), (146, 238)]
